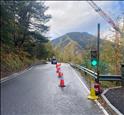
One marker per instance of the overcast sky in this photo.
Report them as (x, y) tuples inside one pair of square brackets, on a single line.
[(79, 16)]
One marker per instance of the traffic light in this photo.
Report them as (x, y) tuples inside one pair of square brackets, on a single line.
[(94, 59)]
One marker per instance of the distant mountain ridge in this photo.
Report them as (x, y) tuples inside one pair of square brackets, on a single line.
[(81, 40)]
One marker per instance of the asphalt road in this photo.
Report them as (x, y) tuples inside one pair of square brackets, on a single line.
[(36, 92)]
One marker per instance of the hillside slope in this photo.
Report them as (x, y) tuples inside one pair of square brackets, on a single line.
[(82, 39)]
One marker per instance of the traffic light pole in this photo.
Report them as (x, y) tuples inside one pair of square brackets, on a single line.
[(98, 39)]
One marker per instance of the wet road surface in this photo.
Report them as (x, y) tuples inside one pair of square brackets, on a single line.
[(37, 92)]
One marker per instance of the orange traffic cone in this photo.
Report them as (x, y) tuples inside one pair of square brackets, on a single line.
[(58, 65), (58, 70), (60, 74), (62, 82)]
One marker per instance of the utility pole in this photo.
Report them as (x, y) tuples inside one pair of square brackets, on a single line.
[(98, 39)]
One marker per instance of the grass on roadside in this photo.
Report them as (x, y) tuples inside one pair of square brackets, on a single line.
[(14, 62)]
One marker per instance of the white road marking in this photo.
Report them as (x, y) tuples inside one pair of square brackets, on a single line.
[(14, 75), (100, 106)]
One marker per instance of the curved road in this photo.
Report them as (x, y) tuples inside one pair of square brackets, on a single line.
[(36, 92)]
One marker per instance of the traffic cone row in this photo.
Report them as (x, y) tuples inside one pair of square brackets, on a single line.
[(60, 75), (94, 86)]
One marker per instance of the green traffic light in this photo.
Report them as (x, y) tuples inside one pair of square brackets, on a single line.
[(94, 62)]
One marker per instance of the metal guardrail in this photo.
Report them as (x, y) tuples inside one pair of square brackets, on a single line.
[(94, 74), (90, 72), (110, 78)]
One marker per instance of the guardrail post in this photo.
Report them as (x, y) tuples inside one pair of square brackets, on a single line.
[(122, 74)]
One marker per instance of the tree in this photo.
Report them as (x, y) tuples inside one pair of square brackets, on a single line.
[(23, 24), (7, 22), (31, 20)]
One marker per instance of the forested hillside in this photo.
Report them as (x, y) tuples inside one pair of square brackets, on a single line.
[(82, 38), (23, 28)]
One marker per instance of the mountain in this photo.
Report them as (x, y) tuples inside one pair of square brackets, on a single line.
[(80, 39), (75, 47)]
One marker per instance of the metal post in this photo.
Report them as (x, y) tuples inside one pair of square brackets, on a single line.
[(122, 74), (98, 39)]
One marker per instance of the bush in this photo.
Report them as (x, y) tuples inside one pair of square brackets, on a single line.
[(13, 62)]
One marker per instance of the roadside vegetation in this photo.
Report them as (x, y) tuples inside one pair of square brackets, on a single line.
[(23, 30), (108, 55), (24, 41)]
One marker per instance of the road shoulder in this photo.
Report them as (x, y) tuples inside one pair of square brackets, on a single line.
[(114, 97), (84, 85), (16, 74)]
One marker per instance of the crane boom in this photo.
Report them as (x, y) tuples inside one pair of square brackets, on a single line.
[(104, 15)]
